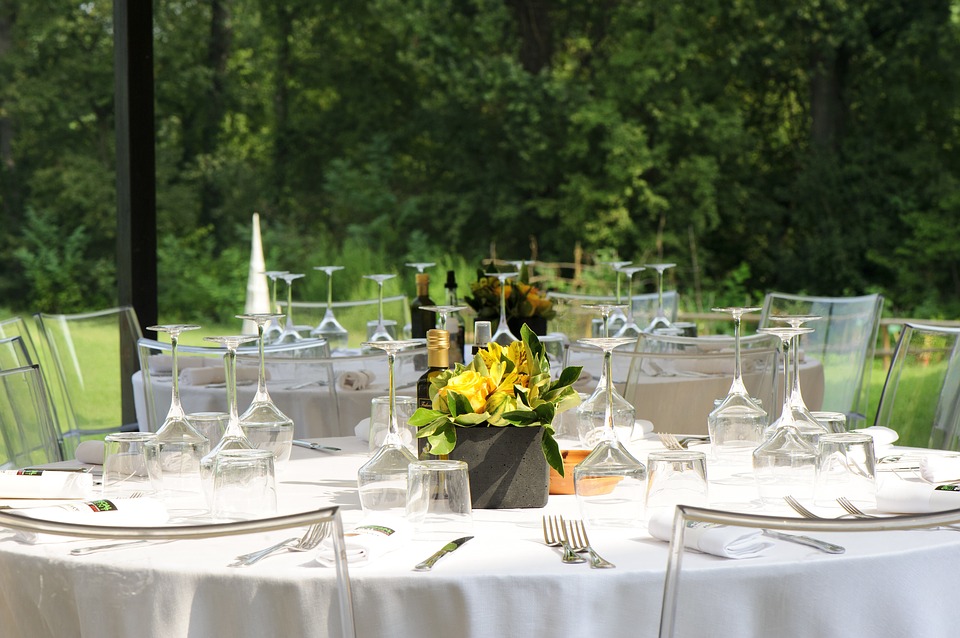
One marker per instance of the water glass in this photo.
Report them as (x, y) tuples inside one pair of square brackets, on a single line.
[(846, 466), (379, 409), (836, 422), (210, 424), (131, 465), (244, 485), (438, 497), (676, 477)]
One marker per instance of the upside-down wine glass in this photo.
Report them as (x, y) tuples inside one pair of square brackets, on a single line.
[(518, 265), (794, 411), (274, 329), (265, 426), (630, 327), (420, 265), (660, 320), (605, 309), (180, 446), (794, 321), (618, 317), (380, 333), (329, 328), (233, 436), (736, 425), (443, 313), (610, 482), (502, 335), (382, 481), (290, 333), (592, 413)]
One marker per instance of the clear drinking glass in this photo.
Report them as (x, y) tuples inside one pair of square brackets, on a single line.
[(785, 465), (736, 425), (244, 485), (290, 333), (846, 467), (382, 481), (381, 333), (404, 407), (438, 498), (617, 317), (610, 482), (131, 465), (592, 412), (660, 320), (630, 327), (676, 477), (502, 335), (329, 328), (179, 446), (265, 426), (274, 329), (233, 437), (794, 411), (835, 422)]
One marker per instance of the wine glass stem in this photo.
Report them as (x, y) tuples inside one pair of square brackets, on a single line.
[(618, 287), (273, 295), (660, 293), (630, 298), (738, 385), (380, 303), (330, 292), (795, 397), (290, 304), (262, 375), (175, 407), (393, 429), (605, 315), (230, 376), (611, 433), (503, 304)]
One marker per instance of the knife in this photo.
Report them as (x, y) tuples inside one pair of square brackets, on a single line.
[(315, 446), (426, 565), (823, 546)]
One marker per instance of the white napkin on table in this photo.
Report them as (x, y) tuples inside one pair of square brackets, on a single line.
[(898, 496), (940, 469), (367, 541), (45, 484), (163, 363), (119, 512), (355, 380), (362, 429), (719, 540), (90, 452), (883, 439), (211, 375)]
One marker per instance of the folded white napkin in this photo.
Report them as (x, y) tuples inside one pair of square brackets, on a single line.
[(209, 376), (897, 496), (940, 469), (45, 484), (128, 512), (883, 439), (355, 380), (367, 541), (163, 363), (362, 429), (719, 540), (90, 452), (641, 428)]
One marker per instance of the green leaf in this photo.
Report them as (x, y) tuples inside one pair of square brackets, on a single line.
[(551, 451), (443, 440), (569, 376), (471, 419), (522, 417), (458, 404), (423, 416)]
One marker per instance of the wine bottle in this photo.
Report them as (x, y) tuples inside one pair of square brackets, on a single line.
[(454, 326), (438, 360), (422, 320)]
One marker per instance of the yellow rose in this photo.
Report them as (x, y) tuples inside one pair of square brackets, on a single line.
[(472, 385)]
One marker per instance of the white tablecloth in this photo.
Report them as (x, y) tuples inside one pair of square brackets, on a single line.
[(505, 582)]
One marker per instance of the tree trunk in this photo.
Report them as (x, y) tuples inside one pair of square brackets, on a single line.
[(536, 41), (827, 110), (218, 52), (9, 188)]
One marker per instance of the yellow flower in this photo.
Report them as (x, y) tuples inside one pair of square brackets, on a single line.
[(472, 385)]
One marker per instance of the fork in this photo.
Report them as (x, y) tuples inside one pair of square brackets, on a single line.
[(553, 537), (310, 539), (799, 508), (856, 512), (579, 542), (670, 441)]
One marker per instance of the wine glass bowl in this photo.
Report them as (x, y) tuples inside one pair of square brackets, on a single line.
[(329, 328), (630, 327), (617, 317), (291, 333), (660, 320), (503, 335), (380, 333), (274, 329), (264, 424)]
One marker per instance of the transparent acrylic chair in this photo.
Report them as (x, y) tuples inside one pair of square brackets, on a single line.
[(28, 433), (17, 327), (765, 622), (921, 395), (92, 359), (14, 354), (844, 342), (342, 621)]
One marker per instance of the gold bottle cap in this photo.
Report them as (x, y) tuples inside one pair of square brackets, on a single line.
[(438, 339)]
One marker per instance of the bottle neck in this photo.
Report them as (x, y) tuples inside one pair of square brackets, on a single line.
[(423, 285), (438, 358)]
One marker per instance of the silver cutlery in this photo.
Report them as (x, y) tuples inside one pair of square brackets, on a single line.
[(315, 446), (577, 538), (554, 537), (310, 540), (823, 546), (93, 549), (856, 512), (428, 564)]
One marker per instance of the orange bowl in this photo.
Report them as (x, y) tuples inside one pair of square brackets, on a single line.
[(564, 484)]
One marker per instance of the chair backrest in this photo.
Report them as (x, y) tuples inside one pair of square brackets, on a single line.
[(921, 395), (28, 434), (14, 354), (674, 381), (17, 327), (574, 320), (353, 315), (844, 340), (92, 357), (770, 624), (329, 517)]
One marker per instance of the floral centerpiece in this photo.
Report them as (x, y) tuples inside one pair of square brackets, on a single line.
[(502, 387), (522, 300)]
